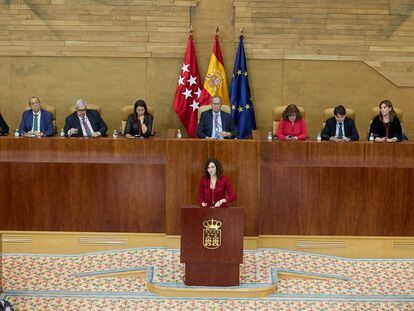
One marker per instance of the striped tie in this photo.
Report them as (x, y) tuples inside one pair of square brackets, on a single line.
[(85, 125)]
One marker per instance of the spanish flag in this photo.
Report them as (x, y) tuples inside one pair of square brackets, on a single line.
[(215, 82)]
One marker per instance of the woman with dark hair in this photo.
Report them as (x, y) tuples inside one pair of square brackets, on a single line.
[(140, 122), (4, 128), (292, 125), (386, 126), (214, 188)]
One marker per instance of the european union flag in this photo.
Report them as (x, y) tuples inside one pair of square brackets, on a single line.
[(242, 110)]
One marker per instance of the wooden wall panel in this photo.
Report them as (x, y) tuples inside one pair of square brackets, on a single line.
[(314, 54), (185, 164), (357, 189), (82, 185), (285, 188)]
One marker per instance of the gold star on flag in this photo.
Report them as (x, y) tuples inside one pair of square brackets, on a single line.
[(233, 107), (239, 72), (247, 106), (245, 73), (240, 109)]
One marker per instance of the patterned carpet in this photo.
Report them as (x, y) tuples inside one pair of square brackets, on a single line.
[(56, 282)]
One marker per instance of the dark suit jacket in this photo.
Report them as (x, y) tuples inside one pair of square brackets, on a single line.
[(377, 128), (349, 126), (3, 126), (46, 125), (205, 127), (97, 123), (133, 128)]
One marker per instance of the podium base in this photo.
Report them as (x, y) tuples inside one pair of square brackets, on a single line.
[(211, 274)]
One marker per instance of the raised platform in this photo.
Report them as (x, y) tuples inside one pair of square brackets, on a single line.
[(153, 277), (81, 242)]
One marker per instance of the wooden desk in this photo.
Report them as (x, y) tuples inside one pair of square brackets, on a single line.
[(285, 188), (62, 184), (325, 188)]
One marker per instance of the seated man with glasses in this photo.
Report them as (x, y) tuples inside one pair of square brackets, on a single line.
[(340, 127), (84, 122), (215, 123), (36, 122)]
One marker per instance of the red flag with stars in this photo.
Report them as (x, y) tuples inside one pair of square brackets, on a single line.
[(186, 100)]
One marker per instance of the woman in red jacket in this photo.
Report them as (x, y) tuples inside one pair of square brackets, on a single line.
[(214, 188), (292, 125)]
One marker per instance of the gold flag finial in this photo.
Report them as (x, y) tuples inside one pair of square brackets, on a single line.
[(217, 31), (191, 29), (241, 30)]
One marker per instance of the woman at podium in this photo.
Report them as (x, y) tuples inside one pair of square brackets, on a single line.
[(215, 189)]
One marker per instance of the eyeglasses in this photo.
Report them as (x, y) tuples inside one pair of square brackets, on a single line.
[(81, 110)]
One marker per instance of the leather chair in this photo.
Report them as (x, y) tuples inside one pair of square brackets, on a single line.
[(50, 109), (277, 114), (88, 106), (129, 109), (223, 108), (329, 113)]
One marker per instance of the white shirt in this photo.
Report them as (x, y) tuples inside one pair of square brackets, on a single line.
[(85, 132), (337, 129), (215, 131)]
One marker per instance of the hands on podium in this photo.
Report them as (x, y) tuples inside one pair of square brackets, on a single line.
[(218, 203)]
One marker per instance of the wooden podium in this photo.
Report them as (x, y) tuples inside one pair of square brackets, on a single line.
[(212, 245)]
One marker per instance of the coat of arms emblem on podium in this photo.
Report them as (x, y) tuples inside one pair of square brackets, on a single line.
[(212, 233)]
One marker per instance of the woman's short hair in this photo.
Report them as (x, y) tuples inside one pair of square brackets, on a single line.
[(219, 167), (291, 109), (388, 103)]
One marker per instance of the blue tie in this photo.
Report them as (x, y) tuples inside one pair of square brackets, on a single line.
[(340, 131)]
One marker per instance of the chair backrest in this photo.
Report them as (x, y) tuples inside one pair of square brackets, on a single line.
[(223, 108), (328, 113), (277, 115), (398, 112), (50, 109), (88, 106), (129, 109)]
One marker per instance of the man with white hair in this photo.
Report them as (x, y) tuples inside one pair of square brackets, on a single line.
[(84, 122)]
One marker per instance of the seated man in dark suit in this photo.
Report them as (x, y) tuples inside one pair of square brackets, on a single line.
[(36, 121), (215, 123), (340, 127), (84, 122), (4, 128)]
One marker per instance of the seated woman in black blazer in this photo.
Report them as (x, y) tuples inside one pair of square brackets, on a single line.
[(386, 126), (4, 128), (140, 122)]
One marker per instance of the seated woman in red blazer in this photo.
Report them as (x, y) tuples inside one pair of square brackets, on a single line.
[(292, 125), (214, 188)]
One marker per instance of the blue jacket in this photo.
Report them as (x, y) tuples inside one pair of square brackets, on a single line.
[(46, 125), (205, 126)]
